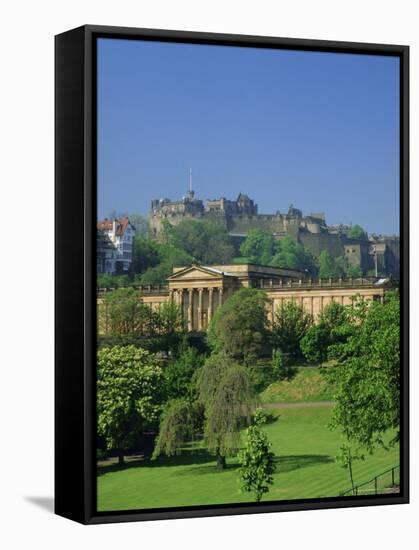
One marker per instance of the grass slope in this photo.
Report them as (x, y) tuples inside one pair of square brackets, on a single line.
[(305, 450), (307, 385)]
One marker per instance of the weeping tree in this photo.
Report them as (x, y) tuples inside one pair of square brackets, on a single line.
[(222, 410), (181, 420), (225, 391)]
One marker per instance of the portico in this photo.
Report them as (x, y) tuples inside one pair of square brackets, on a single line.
[(199, 291)]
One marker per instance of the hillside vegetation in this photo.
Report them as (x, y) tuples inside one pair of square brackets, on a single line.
[(308, 384)]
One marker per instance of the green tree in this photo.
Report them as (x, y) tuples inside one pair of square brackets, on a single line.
[(334, 315), (122, 312), (170, 318), (367, 375), (128, 395), (179, 374), (356, 232), (346, 269), (146, 254), (291, 323), (292, 255), (169, 257), (105, 280), (259, 247), (239, 325), (329, 267), (206, 242), (180, 422), (330, 329), (281, 367), (354, 271), (225, 391), (315, 343), (257, 462)]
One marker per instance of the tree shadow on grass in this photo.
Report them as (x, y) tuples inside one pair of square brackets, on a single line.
[(294, 462), (187, 457), (201, 462), (208, 468), (283, 464)]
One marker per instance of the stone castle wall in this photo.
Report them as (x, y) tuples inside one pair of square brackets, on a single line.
[(239, 217)]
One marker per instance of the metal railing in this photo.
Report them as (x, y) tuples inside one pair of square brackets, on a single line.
[(386, 482)]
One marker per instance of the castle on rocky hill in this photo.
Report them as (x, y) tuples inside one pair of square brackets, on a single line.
[(240, 215)]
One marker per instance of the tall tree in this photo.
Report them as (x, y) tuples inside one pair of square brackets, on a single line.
[(328, 267), (129, 381), (367, 375), (169, 257), (225, 390), (170, 319), (206, 242), (329, 330), (239, 326), (180, 372), (292, 255), (146, 254), (291, 324), (259, 247)]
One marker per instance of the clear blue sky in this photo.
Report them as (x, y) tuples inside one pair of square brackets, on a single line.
[(318, 130)]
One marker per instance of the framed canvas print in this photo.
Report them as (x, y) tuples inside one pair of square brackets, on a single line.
[(231, 274)]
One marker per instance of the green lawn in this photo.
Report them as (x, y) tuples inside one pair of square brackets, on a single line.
[(305, 450), (307, 385)]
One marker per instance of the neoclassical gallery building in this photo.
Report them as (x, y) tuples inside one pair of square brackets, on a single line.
[(200, 290)]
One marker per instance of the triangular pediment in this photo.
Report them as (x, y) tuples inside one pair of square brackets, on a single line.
[(196, 272)]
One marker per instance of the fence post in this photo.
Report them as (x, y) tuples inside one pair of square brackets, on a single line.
[(375, 484), (392, 477)]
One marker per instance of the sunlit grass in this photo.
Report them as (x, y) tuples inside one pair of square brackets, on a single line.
[(304, 447)]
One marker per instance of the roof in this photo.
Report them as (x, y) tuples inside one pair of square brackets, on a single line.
[(105, 224), (121, 226), (201, 268)]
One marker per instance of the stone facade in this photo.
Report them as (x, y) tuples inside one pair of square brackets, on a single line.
[(200, 290)]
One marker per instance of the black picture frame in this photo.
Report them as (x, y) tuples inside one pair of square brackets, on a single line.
[(75, 285)]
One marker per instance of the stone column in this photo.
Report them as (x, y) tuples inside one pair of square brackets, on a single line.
[(210, 292), (200, 291), (190, 312), (220, 294), (171, 295), (179, 301), (179, 298)]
